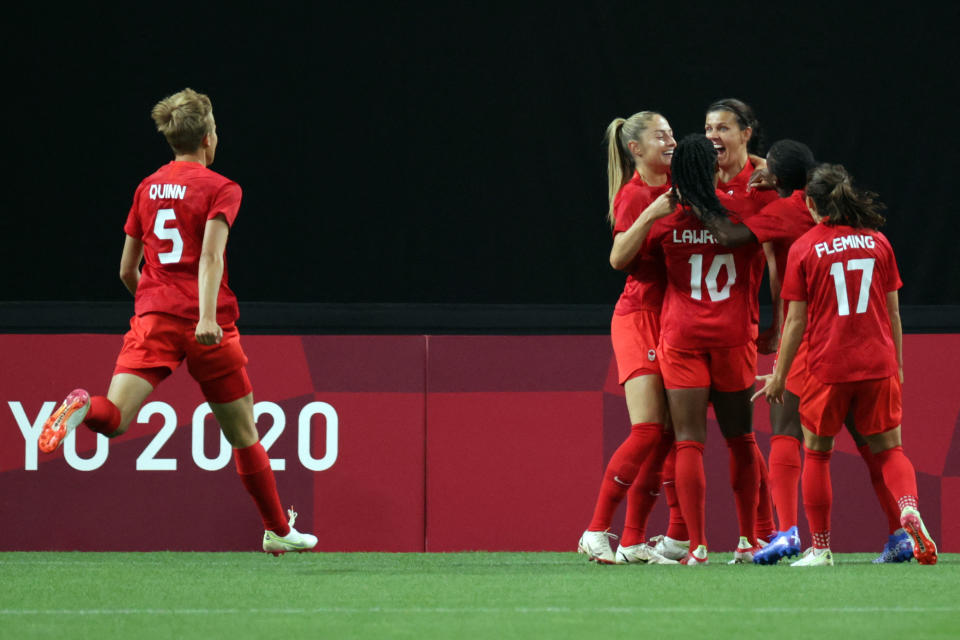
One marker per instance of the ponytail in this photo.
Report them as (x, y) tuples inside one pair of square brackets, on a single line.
[(839, 201), (619, 164)]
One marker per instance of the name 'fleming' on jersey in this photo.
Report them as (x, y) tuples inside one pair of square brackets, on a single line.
[(842, 243)]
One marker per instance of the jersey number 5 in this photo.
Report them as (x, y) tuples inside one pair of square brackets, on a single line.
[(840, 284), (696, 275), (172, 233)]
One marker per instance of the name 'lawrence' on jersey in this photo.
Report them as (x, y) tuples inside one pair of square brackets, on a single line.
[(711, 295)]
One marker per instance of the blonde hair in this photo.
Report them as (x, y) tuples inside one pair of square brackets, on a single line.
[(620, 164), (184, 118)]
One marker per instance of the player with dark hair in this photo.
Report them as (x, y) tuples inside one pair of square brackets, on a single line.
[(639, 152), (707, 349), (780, 223), (184, 310), (842, 281), (733, 128)]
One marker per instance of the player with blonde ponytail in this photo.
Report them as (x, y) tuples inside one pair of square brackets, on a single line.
[(639, 151)]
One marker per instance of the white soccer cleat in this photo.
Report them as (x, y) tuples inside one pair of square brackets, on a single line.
[(814, 557), (744, 552), (641, 554), (697, 557), (670, 548), (596, 546), (293, 541)]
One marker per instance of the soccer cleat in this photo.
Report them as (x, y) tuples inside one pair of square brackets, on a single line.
[(814, 557), (670, 548), (64, 420), (293, 541), (697, 556), (899, 548), (641, 554), (596, 546), (924, 549), (744, 552), (785, 545)]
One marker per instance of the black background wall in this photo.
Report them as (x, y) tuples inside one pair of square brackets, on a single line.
[(414, 153)]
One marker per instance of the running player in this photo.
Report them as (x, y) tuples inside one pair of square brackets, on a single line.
[(178, 225), (707, 349), (639, 151), (842, 278)]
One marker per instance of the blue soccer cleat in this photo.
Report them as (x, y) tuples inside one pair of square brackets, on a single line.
[(899, 548), (786, 544)]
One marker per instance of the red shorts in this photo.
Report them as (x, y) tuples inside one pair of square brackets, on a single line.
[(635, 337), (157, 343), (726, 369), (797, 376), (876, 405)]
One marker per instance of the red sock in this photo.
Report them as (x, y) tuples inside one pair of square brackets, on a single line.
[(253, 466), (642, 496), (745, 480), (899, 476), (817, 495), (887, 501), (622, 471), (103, 416), (766, 528), (677, 528), (784, 478), (691, 485)]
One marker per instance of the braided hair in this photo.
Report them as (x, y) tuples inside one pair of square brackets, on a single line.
[(693, 170), (838, 201)]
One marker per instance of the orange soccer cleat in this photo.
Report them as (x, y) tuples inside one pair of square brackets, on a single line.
[(64, 420)]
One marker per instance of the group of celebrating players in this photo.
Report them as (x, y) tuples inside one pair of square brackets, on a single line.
[(694, 224)]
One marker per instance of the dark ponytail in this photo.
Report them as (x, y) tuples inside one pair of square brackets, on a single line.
[(838, 201)]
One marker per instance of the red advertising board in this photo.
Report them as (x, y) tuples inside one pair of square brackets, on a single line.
[(398, 443)]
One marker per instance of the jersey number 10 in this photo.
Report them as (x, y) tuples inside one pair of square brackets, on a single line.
[(696, 275)]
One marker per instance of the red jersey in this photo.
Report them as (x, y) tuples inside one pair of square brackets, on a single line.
[(647, 278), (781, 222), (711, 295), (169, 214), (737, 189), (844, 274)]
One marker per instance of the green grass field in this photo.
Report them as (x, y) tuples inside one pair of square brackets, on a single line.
[(466, 595)]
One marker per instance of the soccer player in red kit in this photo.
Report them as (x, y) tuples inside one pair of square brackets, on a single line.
[(184, 310), (733, 128), (842, 279), (780, 223), (707, 349), (639, 151)]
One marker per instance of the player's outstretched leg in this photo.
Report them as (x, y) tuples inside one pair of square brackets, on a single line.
[(64, 420)]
